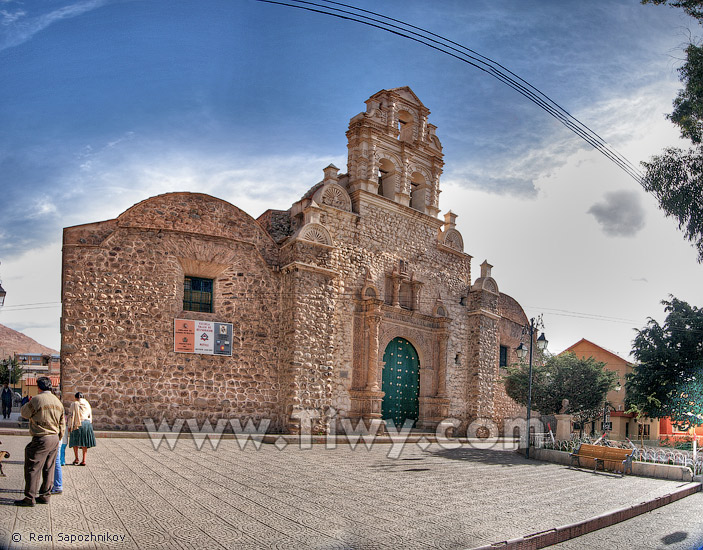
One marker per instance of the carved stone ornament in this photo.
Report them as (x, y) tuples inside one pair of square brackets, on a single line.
[(333, 195), (370, 293), (369, 290), (316, 233), (486, 283), (439, 309), (453, 239)]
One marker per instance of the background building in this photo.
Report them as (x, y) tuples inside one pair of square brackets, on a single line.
[(34, 359), (625, 424), (357, 302)]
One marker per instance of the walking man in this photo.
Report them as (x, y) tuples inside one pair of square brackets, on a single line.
[(47, 425), (6, 401)]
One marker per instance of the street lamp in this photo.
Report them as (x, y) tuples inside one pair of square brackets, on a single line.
[(522, 351)]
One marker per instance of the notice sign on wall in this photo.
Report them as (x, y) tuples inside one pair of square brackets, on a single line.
[(202, 337)]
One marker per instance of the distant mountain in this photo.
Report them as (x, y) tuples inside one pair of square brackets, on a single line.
[(12, 341)]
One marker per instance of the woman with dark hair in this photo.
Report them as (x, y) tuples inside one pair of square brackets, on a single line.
[(80, 422)]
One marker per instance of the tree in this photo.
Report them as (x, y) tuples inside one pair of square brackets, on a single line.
[(7, 365), (668, 378), (583, 381), (640, 414), (694, 8), (675, 178)]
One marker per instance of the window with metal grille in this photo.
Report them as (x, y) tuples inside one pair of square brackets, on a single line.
[(503, 357), (197, 294)]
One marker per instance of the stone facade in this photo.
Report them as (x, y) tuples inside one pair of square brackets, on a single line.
[(317, 296)]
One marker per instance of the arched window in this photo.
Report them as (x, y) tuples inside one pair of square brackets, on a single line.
[(386, 179), (418, 192), (406, 126)]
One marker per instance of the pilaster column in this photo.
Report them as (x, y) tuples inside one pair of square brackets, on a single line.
[(373, 322), (443, 337), (396, 291), (417, 291)]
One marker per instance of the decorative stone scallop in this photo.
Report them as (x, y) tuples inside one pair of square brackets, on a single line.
[(490, 285), (486, 283), (370, 292), (453, 239), (334, 195), (316, 233), (439, 310)]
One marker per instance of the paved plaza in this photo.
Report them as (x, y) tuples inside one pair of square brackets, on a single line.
[(132, 496)]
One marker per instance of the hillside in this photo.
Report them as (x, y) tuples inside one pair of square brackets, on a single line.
[(12, 341)]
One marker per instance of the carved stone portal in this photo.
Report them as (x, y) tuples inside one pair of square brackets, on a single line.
[(377, 325)]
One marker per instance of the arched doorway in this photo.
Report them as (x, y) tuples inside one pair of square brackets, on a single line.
[(401, 382)]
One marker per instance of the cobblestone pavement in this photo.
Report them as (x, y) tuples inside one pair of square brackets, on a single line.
[(318, 498), (677, 526)]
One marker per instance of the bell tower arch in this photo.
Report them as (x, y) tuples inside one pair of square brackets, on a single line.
[(393, 151)]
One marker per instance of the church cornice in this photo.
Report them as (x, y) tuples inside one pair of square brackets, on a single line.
[(379, 132), (445, 248), (413, 319), (485, 313), (301, 266)]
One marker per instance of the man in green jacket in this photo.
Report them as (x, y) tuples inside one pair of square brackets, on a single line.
[(47, 425)]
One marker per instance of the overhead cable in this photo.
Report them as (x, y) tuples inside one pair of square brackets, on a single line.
[(473, 58)]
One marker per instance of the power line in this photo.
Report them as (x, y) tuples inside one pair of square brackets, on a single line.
[(580, 314), (471, 57), (26, 307)]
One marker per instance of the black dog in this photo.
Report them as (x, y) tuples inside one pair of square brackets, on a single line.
[(3, 456)]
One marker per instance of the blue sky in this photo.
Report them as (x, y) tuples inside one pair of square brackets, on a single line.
[(105, 103)]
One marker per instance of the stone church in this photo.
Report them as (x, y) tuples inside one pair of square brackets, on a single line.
[(355, 303)]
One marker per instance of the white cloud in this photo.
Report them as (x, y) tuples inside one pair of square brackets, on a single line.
[(44, 206), (113, 181), (633, 124), (7, 18), (22, 28)]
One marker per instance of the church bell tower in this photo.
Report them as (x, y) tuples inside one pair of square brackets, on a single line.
[(394, 152)]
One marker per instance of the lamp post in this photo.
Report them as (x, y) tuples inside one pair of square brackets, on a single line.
[(522, 351)]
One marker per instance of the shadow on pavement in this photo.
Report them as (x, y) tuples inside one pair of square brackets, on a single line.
[(504, 458), (675, 537)]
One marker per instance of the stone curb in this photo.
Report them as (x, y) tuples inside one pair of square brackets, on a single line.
[(542, 539)]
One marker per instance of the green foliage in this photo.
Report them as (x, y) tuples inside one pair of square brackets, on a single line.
[(694, 8), (584, 382), (688, 105), (17, 371), (668, 379), (675, 177)]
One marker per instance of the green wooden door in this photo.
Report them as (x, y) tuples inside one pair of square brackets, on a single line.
[(401, 382)]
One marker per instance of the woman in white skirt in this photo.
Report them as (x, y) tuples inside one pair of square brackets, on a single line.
[(80, 423)]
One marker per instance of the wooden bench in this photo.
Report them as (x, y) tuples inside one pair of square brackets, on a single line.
[(616, 458)]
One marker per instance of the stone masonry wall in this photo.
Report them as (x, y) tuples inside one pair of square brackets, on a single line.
[(309, 333), (121, 298), (512, 320)]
